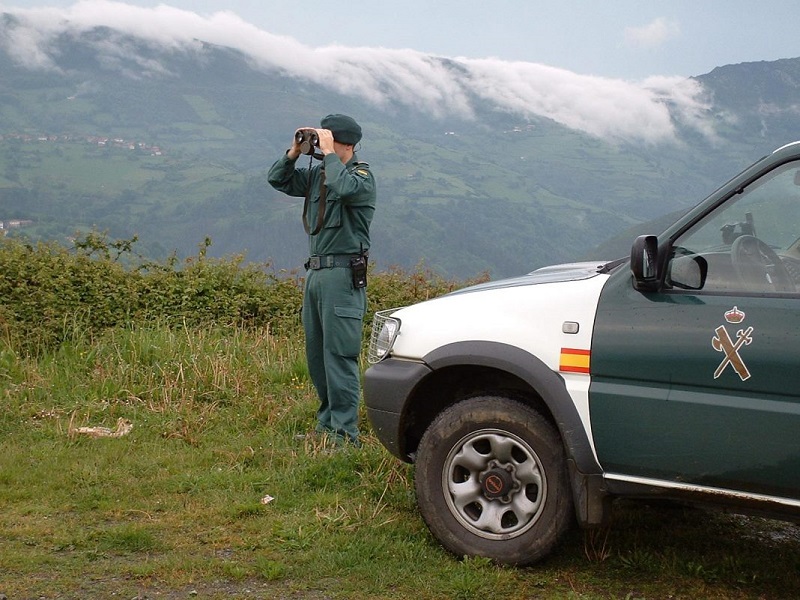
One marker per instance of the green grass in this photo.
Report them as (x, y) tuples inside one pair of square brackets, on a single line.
[(106, 171), (213, 494), (179, 504)]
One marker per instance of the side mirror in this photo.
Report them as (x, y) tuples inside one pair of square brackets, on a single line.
[(688, 272), (644, 263)]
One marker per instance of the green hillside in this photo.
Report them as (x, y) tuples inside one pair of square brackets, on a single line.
[(179, 155)]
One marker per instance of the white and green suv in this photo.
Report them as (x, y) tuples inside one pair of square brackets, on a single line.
[(675, 374)]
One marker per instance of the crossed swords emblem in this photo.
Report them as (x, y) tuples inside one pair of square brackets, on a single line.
[(722, 342)]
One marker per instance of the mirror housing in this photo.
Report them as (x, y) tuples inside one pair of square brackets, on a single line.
[(688, 273), (644, 263)]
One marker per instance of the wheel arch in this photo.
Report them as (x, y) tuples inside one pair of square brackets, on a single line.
[(465, 369)]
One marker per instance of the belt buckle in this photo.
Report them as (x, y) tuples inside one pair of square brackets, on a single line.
[(314, 263)]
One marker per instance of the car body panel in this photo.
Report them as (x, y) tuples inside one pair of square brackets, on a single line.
[(657, 409), (530, 317)]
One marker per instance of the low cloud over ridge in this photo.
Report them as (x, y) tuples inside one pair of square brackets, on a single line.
[(646, 111)]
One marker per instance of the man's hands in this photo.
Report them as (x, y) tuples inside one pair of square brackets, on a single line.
[(325, 143)]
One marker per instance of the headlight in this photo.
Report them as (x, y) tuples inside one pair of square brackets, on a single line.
[(384, 333)]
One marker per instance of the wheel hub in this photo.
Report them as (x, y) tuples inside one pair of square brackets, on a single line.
[(494, 484), (498, 481)]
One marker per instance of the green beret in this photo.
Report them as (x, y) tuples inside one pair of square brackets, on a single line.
[(345, 130)]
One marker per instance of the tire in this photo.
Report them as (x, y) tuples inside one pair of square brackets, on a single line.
[(491, 480)]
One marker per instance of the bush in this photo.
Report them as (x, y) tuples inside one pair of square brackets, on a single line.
[(46, 293), (50, 294)]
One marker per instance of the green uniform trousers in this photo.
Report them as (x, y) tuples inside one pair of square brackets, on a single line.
[(333, 312)]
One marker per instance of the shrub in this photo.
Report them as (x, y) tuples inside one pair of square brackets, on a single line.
[(50, 294)]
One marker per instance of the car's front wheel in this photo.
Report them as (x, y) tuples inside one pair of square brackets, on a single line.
[(491, 481)]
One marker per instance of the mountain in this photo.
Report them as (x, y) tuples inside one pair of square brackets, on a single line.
[(171, 143)]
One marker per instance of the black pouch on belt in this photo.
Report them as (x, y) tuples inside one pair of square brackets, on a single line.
[(358, 269)]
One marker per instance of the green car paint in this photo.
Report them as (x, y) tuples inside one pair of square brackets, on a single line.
[(702, 386)]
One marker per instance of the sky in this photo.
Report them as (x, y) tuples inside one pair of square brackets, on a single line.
[(628, 39), (613, 69)]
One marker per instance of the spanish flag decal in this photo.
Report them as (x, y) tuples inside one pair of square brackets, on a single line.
[(574, 360)]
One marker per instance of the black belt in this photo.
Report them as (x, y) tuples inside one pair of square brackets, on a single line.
[(329, 261)]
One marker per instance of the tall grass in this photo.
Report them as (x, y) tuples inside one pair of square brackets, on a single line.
[(215, 494)]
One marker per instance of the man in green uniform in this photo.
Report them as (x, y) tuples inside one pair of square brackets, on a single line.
[(340, 197)]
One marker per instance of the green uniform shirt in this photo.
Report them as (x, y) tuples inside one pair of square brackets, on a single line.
[(350, 201)]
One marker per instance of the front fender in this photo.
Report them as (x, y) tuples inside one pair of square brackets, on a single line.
[(546, 383)]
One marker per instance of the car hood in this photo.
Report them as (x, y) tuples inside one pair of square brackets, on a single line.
[(553, 274)]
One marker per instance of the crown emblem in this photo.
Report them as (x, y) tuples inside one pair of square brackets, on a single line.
[(734, 315)]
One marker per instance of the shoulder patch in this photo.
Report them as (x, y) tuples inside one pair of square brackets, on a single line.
[(361, 168)]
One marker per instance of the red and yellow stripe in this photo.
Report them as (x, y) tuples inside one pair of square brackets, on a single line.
[(574, 360)]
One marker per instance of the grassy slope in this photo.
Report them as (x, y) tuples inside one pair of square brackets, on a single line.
[(179, 504), (488, 197), (497, 214), (176, 505)]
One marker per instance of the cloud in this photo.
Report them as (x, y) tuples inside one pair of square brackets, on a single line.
[(606, 108), (610, 108), (653, 34)]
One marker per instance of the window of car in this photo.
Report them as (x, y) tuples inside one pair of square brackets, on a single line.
[(748, 245)]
